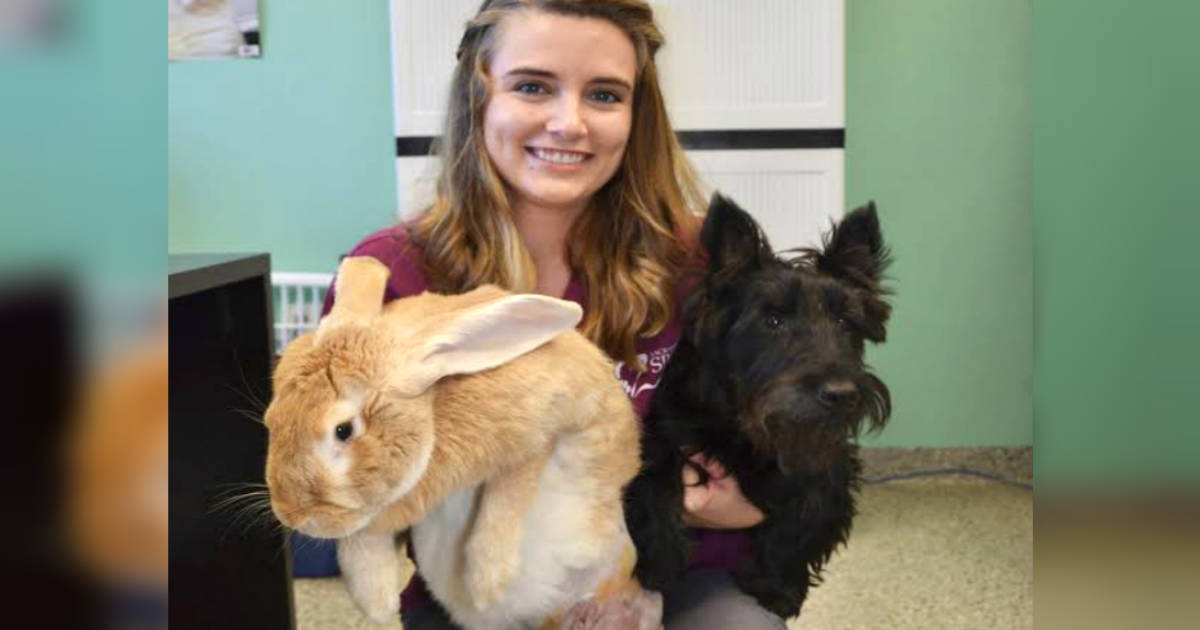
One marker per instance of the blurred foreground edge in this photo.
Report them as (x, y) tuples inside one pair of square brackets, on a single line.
[(39, 382)]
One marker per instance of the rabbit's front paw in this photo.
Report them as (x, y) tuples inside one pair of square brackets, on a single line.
[(371, 570), (378, 599)]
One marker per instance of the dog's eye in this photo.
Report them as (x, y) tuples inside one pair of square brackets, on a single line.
[(343, 431), (773, 321)]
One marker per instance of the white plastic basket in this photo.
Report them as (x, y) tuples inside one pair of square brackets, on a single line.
[(298, 301)]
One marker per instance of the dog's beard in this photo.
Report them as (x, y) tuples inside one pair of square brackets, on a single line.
[(805, 438), (876, 402), (809, 450)]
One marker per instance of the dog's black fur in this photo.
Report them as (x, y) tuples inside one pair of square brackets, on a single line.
[(768, 379)]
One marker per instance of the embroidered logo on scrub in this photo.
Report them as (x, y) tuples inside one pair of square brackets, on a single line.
[(635, 382)]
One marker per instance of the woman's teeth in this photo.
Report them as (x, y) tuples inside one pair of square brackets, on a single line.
[(559, 157)]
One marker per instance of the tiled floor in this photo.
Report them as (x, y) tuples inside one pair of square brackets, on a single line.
[(941, 553)]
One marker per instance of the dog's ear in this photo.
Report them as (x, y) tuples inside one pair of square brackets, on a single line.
[(732, 238), (876, 312), (854, 250)]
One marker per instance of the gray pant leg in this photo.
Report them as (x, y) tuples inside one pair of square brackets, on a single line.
[(709, 600)]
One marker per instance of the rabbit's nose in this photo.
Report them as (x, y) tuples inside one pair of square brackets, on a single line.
[(289, 514), (282, 510), (284, 504)]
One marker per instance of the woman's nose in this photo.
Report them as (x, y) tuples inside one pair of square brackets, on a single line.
[(566, 121)]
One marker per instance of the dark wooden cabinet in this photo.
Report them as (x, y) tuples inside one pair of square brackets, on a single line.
[(225, 571)]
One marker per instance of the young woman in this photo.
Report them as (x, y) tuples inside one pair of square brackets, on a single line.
[(561, 175)]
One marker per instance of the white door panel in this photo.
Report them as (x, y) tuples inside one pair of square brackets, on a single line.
[(745, 64), (425, 36), (416, 181), (753, 64), (727, 65), (793, 194)]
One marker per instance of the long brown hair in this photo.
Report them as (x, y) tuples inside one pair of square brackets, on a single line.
[(630, 245)]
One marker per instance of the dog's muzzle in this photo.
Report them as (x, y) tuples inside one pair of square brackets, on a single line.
[(838, 394)]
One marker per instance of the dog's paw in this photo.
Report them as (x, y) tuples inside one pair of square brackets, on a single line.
[(489, 571)]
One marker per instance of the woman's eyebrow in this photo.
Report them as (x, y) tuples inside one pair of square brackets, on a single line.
[(546, 74), (613, 81), (536, 72)]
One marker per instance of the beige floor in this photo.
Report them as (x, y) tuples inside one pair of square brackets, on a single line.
[(929, 554)]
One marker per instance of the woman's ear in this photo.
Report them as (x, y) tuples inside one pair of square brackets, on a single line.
[(482, 337)]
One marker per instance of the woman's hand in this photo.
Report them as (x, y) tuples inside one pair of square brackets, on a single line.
[(718, 504), (631, 609)]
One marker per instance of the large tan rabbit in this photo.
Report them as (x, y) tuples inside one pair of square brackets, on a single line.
[(484, 423)]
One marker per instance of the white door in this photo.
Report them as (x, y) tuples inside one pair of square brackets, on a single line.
[(756, 88)]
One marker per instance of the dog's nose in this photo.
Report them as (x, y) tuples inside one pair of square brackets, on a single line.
[(838, 393)]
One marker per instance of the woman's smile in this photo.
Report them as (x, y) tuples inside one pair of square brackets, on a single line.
[(559, 159)]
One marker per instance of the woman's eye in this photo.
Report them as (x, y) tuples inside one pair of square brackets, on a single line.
[(529, 88), (606, 97), (343, 431)]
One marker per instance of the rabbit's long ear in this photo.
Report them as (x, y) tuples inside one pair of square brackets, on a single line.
[(358, 292), (483, 337)]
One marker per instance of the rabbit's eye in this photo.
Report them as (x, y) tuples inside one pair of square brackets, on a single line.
[(344, 431)]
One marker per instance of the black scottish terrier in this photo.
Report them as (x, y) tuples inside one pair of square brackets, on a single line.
[(769, 380)]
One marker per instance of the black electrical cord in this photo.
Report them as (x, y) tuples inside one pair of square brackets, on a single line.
[(947, 472)]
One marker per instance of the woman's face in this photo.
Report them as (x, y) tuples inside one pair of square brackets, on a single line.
[(560, 106)]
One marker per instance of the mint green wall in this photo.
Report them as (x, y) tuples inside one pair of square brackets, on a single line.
[(292, 153), (1117, 200), (82, 175), (938, 133), (82, 124)]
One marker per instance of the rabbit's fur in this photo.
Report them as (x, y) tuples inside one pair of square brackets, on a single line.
[(485, 423)]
